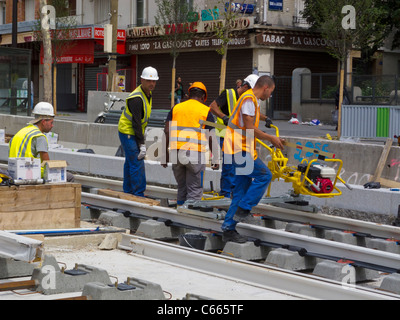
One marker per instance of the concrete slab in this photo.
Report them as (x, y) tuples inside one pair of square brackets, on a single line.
[(290, 260), (387, 245), (391, 283), (53, 280), (246, 251), (132, 289), (344, 237), (343, 272)]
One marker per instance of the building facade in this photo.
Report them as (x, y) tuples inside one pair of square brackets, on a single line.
[(269, 37)]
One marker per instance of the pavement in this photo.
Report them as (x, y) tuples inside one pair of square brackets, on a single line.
[(286, 129)]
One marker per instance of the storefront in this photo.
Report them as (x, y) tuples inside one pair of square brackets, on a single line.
[(82, 64), (253, 48)]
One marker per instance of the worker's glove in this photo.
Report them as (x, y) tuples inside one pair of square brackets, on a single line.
[(142, 152), (226, 120), (372, 185), (268, 123)]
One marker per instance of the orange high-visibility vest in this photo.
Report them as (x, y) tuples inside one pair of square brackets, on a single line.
[(236, 137), (186, 132)]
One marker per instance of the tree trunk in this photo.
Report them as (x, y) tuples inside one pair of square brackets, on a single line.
[(55, 87), (112, 64), (47, 59), (223, 71), (341, 86), (173, 85)]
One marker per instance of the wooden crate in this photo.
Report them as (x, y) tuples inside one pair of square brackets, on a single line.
[(48, 206)]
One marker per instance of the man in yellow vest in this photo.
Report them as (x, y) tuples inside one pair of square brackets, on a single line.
[(222, 108), (252, 175), (131, 127), (31, 142), (188, 142)]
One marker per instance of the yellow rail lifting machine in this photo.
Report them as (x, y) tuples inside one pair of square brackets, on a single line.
[(309, 178)]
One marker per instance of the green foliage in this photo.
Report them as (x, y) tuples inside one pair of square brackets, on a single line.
[(372, 23), (175, 14)]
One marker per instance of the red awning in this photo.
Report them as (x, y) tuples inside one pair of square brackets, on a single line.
[(121, 47), (78, 51)]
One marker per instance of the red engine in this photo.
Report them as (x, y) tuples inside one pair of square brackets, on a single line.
[(321, 176), (324, 185)]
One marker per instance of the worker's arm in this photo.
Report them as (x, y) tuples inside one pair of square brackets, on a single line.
[(44, 156), (165, 141), (249, 125), (135, 106), (215, 109)]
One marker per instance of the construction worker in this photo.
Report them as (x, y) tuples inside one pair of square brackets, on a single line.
[(252, 175), (131, 127), (188, 141), (31, 142), (222, 108)]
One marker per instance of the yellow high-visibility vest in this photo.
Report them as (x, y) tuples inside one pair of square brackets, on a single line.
[(125, 121), (231, 99), (20, 145), (236, 139), (186, 132)]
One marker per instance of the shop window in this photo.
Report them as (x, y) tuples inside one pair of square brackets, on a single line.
[(64, 8), (2, 12), (103, 11), (140, 17)]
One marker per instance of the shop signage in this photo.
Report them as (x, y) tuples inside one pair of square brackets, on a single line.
[(285, 39), (241, 7), (276, 5), (84, 34), (151, 46), (242, 23)]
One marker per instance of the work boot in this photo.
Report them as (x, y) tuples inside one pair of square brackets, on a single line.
[(242, 215), (233, 236)]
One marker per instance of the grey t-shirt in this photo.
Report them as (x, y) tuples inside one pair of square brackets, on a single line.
[(39, 144)]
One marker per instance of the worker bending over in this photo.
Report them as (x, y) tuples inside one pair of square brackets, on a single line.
[(252, 176), (31, 142), (222, 108), (188, 142)]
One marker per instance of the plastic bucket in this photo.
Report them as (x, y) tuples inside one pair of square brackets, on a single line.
[(192, 240)]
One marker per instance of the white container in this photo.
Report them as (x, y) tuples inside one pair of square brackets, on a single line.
[(55, 171), (52, 138), (326, 172), (24, 168), (2, 136)]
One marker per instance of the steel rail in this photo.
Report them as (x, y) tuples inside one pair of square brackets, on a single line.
[(270, 278), (305, 245), (369, 229)]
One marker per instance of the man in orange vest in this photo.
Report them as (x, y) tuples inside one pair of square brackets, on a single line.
[(222, 108), (188, 142), (252, 175)]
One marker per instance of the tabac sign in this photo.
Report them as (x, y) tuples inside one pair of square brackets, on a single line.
[(275, 38)]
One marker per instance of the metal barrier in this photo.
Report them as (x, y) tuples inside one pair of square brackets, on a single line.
[(370, 121)]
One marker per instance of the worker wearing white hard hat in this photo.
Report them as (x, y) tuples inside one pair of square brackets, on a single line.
[(252, 176), (222, 108), (131, 127), (31, 141)]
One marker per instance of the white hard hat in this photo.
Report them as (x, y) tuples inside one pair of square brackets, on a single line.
[(252, 80), (43, 110), (149, 73)]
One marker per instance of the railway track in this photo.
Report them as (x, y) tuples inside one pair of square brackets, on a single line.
[(298, 284), (306, 246)]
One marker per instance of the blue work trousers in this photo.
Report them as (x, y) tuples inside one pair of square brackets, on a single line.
[(134, 169), (227, 176), (249, 188)]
